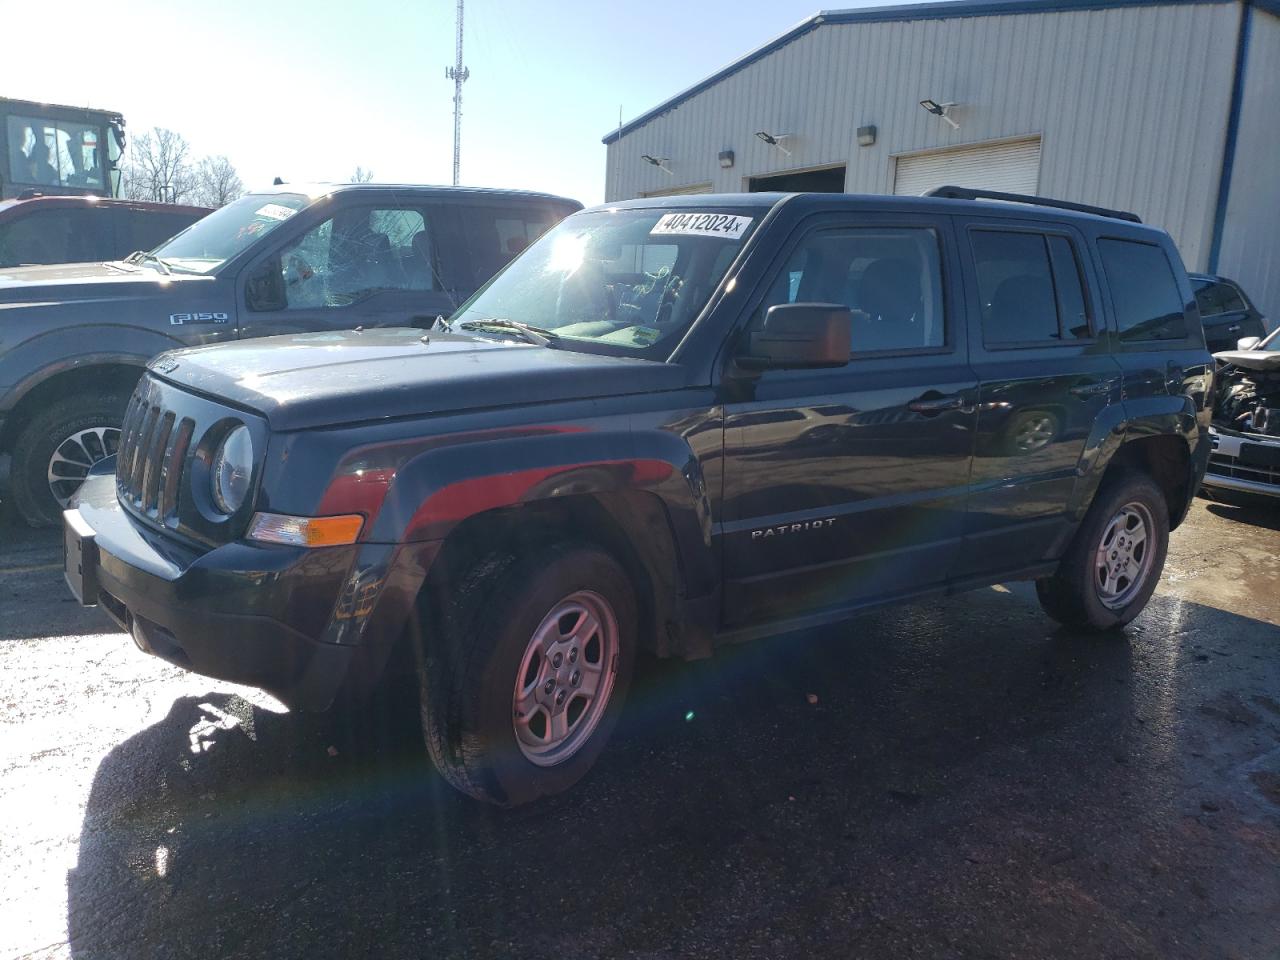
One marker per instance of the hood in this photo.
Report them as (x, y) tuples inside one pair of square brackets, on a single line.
[(84, 281), (1250, 359), (312, 380)]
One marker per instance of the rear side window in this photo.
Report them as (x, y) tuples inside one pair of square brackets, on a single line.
[(1030, 288), (495, 235), (1144, 291), (148, 229), (1214, 298), (66, 235)]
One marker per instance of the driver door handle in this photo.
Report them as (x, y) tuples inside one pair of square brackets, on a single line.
[(931, 406)]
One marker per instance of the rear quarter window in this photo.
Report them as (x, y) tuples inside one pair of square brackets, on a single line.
[(495, 235), (1144, 291)]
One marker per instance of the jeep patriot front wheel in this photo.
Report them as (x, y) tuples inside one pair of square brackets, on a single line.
[(525, 680)]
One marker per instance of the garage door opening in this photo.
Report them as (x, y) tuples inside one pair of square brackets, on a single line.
[(828, 180), (1010, 166)]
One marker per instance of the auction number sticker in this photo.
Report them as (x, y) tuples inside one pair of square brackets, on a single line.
[(276, 211), (701, 225)]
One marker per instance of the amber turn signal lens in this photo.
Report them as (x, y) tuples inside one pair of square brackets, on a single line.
[(305, 531)]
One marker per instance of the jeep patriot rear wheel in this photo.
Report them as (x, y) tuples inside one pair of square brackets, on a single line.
[(526, 679)]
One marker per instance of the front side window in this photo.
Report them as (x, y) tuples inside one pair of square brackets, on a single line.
[(215, 239), (1214, 298), (889, 277), (1144, 291), (355, 254), (627, 281), (1029, 287), (55, 153)]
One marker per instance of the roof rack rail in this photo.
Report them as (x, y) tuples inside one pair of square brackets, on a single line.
[(966, 193)]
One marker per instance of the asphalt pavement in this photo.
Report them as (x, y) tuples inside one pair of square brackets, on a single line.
[(949, 779)]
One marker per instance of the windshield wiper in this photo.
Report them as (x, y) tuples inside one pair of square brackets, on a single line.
[(534, 335), (142, 256)]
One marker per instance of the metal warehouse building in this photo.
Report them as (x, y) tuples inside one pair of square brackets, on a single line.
[(1168, 109)]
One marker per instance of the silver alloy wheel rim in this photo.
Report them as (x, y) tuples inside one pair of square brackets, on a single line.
[(75, 456), (565, 679), (1123, 560), (1034, 433)]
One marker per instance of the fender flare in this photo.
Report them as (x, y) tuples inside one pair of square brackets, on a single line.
[(35, 360), (1124, 423)]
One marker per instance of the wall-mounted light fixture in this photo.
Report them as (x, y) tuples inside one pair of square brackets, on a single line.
[(775, 140), (940, 110), (659, 162), (726, 159), (866, 136)]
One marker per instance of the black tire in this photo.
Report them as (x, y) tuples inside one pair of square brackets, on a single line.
[(47, 432), (1072, 595), (468, 669)]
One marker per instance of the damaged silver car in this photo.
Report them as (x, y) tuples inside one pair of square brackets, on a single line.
[(1245, 463)]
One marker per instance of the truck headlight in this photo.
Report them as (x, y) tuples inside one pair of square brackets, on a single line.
[(232, 470)]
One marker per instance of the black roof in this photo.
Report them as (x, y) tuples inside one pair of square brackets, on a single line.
[(838, 201), (325, 189)]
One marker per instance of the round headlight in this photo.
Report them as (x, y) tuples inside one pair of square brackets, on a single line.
[(232, 470)]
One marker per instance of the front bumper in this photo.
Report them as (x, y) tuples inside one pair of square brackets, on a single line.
[(258, 615), (1244, 462)]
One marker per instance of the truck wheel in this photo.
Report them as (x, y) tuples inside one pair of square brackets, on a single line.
[(55, 451), (1114, 562), (525, 683)]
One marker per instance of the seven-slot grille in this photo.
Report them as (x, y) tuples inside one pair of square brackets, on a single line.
[(153, 450)]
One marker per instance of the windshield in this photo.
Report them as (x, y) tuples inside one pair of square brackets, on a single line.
[(630, 280), (209, 243)]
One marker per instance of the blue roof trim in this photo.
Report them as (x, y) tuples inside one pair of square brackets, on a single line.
[(907, 11)]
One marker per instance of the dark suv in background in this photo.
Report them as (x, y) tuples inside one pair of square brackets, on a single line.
[(670, 424), (1228, 315), (44, 230), (323, 258)]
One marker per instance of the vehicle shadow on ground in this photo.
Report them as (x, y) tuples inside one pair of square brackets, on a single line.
[(942, 781), (1266, 514)]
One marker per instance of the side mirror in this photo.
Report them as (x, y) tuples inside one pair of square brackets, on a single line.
[(797, 336), (1247, 343), (264, 290)]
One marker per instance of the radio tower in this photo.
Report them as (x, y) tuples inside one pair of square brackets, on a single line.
[(457, 73)]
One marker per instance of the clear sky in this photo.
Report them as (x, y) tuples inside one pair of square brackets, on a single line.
[(308, 90)]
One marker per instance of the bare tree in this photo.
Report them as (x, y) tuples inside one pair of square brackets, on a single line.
[(217, 182), (159, 167), (362, 175)]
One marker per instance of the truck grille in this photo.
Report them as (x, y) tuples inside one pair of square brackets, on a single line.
[(1222, 465), (153, 449)]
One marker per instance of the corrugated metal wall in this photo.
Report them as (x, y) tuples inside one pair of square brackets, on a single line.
[(1251, 235), (1131, 104)]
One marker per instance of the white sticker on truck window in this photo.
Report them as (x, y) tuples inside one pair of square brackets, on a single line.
[(724, 225), (275, 211)]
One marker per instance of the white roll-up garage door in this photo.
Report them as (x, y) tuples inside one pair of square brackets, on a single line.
[(1012, 166)]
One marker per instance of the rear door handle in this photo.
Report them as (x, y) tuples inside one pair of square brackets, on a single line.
[(931, 406)]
